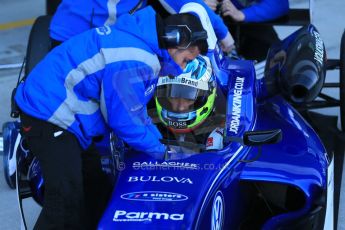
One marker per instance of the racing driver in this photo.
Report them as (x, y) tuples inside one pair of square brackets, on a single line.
[(185, 104)]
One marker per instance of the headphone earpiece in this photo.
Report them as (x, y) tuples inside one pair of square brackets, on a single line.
[(172, 36), (181, 36)]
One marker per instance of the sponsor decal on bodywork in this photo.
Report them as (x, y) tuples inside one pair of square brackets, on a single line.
[(236, 105), (124, 216), (153, 196), (164, 179), (318, 56), (165, 164)]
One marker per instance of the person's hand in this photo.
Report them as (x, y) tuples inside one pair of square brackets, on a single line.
[(173, 155), (234, 55), (169, 152), (228, 9), (212, 4), (228, 43)]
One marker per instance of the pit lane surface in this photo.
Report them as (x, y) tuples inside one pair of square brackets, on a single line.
[(16, 18)]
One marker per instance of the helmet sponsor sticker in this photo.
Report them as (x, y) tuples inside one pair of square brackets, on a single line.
[(154, 196), (124, 216), (162, 179), (177, 124), (217, 216), (183, 79)]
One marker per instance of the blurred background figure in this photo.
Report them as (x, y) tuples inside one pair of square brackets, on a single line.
[(73, 17), (253, 41)]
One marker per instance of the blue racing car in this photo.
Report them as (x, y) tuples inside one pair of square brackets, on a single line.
[(272, 173)]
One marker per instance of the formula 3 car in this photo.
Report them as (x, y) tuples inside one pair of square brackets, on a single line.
[(289, 185), (273, 172)]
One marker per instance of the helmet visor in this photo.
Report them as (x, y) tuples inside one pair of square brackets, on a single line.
[(198, 96)]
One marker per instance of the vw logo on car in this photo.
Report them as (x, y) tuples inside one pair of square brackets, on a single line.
[(217, 216), (153, 196)]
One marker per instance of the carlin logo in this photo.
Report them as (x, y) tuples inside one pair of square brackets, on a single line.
[(154, 196), (165, 179), (123, 216), (217, 216), (104, 30), (236, 105), (149, 90)]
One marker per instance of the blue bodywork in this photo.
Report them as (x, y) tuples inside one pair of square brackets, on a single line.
[(181, 193), (284, 188)]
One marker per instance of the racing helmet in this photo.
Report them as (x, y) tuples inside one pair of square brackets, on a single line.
[(197, 85)]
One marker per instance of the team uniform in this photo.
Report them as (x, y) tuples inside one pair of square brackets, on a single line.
[(76, 16), (108, 83), (262, 10), (74, 96)]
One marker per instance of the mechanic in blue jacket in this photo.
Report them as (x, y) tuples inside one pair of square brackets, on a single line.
[(98, 81), (254, 41), (76, 16)]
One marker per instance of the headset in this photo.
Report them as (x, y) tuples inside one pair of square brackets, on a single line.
[(177, 36), (181, 36)]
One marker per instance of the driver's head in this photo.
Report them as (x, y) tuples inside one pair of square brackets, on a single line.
[(185, 101)]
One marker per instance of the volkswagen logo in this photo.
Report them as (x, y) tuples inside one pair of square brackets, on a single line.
[(217, 216)]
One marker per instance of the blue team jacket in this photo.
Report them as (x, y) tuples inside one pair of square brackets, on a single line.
[(76, 16), (101, 78), (262, 10)]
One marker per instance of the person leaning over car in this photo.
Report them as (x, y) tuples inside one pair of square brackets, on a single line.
[(76, 16), (98, 81), (254, 40)]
